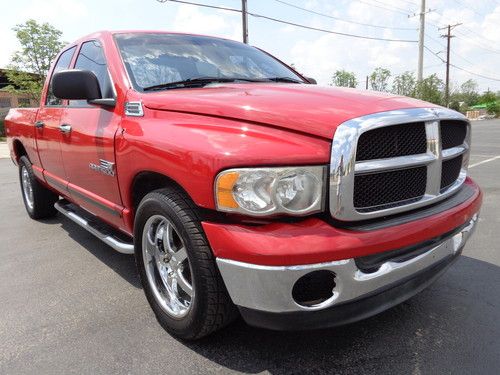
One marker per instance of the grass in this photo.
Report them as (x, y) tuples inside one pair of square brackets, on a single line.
[(3, 139)]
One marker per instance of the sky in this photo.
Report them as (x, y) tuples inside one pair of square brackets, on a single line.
[(475, 47)]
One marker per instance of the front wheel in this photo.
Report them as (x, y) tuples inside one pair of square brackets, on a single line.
[(177, 268)]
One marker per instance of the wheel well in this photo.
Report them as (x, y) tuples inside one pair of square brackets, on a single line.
[(19, 150), (146, 182)]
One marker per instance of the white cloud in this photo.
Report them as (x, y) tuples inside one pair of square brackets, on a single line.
[(191, 19)]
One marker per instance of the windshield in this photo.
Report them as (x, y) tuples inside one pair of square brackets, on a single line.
[(158, 59)]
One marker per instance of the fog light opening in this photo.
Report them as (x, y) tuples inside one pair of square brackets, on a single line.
[(314, 288)]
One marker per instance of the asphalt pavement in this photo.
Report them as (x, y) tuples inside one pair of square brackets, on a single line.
[(70, 304)]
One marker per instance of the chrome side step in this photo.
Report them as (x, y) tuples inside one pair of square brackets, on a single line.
[(99, 229)]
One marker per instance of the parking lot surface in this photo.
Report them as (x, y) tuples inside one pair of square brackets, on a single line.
[(70, 304)]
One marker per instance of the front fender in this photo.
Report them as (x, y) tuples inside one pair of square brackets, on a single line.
[(193, 149)]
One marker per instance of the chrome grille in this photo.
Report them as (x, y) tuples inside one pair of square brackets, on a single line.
[(396, 161), (374, 191), (392, 141)]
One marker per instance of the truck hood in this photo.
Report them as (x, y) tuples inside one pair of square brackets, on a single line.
[(309, 109)]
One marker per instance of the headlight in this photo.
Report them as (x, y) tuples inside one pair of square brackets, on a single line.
[(270, 191)]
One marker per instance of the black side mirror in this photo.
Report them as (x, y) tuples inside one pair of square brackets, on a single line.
[(312, 81), (76, 84)]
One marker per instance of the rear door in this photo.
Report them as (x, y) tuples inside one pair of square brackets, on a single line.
[(48, 133), (88, 146)]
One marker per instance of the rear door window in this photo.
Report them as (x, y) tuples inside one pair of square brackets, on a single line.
[(62, 63), (91, 57)]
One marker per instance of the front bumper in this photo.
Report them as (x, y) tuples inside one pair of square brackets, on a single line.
[(264, 293)]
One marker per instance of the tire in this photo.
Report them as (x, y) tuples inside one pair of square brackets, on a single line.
[(170, 244), (38, 200)]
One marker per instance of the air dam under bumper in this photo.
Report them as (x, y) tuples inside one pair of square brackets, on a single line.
[(264, 293)]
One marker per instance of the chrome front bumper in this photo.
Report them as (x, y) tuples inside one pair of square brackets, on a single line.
[(269, 288)]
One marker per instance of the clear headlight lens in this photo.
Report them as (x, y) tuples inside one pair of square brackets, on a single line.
[(269, 191)]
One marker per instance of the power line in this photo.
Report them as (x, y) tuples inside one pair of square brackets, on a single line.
[(475, 74), (471, 8), (477, 44), (410, 2), (382, 7), (467, 37), (202, 5), (329, 31), (433, 66), (256, 15), (392, 6), (435, 54), (460, 68), (341, 19)]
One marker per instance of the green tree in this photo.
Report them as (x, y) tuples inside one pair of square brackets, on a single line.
[(455, 105), (488, 97), (430, 89), (404, 84), (493, 108), (343, 78), (379, 79), (468, 92), (28, 68)]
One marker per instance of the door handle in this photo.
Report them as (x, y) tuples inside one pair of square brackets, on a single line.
[(39, 124), (65, 128)]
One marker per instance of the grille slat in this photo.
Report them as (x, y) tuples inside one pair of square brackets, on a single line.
[(387, 188), (450, 171), (392, 141), (453, 133)]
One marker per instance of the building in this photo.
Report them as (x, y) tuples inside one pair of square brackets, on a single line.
[(9, 100)]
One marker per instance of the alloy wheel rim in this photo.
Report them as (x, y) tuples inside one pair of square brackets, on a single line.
[(167, 266), (27, 187)]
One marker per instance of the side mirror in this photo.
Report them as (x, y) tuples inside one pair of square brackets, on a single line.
[(76, 84), (312, 81)]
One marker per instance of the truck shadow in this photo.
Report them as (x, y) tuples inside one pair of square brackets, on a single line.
[(122, 264), (452, 327)]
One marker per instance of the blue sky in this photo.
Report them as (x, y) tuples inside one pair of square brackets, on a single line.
[(315, 54)]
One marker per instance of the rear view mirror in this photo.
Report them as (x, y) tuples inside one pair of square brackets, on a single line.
[(312, 81), (76, 84)]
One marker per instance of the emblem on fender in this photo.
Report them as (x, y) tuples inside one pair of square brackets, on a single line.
[(104, 167)]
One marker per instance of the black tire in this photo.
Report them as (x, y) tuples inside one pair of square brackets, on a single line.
[(211, 308), (42, 205)]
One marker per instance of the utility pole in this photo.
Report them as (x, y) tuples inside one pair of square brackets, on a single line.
[(244, 19), (448, 36), (420, 70)]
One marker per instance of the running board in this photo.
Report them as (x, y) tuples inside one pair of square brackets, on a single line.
[(104, 232)]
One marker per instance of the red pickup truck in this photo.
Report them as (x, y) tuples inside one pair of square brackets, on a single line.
[(240, 186)]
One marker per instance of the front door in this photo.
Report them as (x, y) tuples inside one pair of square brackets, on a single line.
[(48, 133), (88, 144)]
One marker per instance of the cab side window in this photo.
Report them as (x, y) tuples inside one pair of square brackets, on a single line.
[(62, 63), (91, 57)]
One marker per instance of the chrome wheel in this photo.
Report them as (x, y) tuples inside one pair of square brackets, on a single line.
[(27, 187), (167, 266)]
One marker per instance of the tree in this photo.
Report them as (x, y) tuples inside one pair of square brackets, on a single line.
[(468, 91), (493, 108), (455, 105), (343, 78), (379, 79), (28, 68), (488, 97), (430, 89), (404, 84)]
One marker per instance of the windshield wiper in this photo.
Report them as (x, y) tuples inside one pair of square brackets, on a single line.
[(284, 79), (198, 81)]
